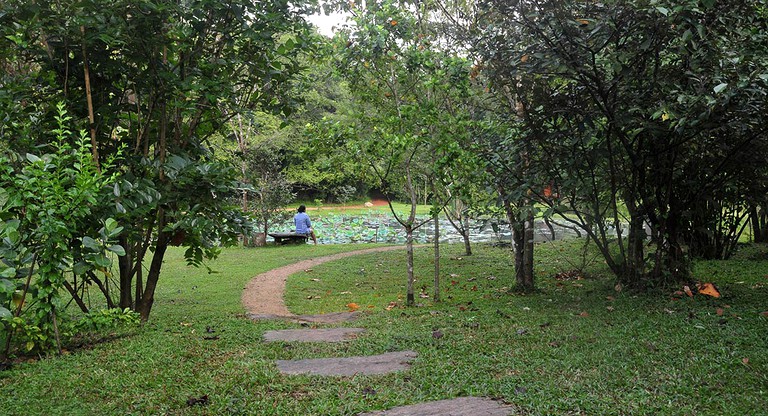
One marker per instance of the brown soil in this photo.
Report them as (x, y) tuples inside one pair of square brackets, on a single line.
[(263, 295)]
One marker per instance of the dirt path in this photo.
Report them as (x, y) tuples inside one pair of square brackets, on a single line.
[(263, 295)]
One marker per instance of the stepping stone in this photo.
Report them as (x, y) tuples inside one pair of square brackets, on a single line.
[(462, 406), (313, 335), (325, 318), (349, 366)]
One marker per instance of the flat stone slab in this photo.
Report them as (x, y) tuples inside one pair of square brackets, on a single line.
[(349, 366), (313, 335), (325, 318), (462, 406)]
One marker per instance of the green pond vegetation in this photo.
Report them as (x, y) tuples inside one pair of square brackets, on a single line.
[(576, 346)]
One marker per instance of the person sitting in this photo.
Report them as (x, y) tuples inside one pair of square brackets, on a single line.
[(303, 224)]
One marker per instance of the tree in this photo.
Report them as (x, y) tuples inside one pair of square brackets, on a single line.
[(156, 79), (641, 115), (403, 83)]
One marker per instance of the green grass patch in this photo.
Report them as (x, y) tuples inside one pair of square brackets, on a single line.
[(575, 347)]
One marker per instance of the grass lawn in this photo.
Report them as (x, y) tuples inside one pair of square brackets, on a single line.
[(575, 347)]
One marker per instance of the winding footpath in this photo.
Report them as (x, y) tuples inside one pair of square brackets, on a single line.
[(263, 295)]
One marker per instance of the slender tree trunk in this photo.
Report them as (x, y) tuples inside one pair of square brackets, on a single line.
[(410, 300), (465, 236), (77, 298), (89, 101), (148, 297), (144, 304), (125, 264), (527, 283), (437, 259)]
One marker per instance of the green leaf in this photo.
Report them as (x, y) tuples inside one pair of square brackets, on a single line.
[(110, 224), (102, 261), (663, 10), (9, 272), (91, 243), (718, 89), (5, 313), (80, 268), (32, 158), (117, 249)]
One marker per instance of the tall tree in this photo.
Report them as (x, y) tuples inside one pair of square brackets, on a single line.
[(642, 114)]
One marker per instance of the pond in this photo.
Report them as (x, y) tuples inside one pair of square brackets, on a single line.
[(382, 228)]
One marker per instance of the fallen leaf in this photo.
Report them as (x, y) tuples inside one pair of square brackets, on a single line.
[(185, 324), (618, 287), (719, 311), (745, 361), (345, 293), (764, 313), (611, 298), (584, 314), (610, 308), (391, 306), (687, 291), (708, 289), (314, 280), (307, 270), (437, 334), (353, 306)]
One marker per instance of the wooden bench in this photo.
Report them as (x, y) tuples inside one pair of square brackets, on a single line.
[(287, 238)]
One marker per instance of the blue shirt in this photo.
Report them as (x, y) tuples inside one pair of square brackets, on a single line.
[(302, 223)]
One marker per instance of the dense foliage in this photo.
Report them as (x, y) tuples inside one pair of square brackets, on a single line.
[(149, 82), (647, 116)]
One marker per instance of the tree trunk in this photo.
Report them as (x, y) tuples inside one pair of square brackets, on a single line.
[(410, 301), (144, 307), (527, 282), (465, 236), (436, 296), (522, 237), (125, 264)]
